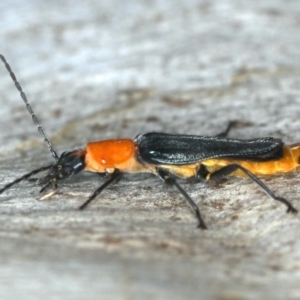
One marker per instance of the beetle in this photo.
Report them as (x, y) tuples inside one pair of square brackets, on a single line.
[(168, 156)]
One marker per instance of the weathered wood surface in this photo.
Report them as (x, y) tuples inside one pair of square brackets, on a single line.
[(99, 69)]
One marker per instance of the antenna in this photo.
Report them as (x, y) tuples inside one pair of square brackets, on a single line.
[(34, 118)]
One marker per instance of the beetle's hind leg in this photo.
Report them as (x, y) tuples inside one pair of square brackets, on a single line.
[(227, 170)]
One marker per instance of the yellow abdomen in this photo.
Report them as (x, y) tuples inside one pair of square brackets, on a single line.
[(288, 163)]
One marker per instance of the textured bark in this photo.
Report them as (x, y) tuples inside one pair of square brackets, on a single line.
[(101, 69)]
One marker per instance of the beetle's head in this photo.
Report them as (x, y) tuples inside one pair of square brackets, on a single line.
[(68, 164)]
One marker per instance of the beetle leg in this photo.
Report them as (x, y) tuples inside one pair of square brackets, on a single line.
[(114, 176), (225, 171), (169, 180)]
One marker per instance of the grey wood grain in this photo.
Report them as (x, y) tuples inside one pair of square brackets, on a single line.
[(94, 70)]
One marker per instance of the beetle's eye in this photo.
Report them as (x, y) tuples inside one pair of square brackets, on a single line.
[(68, 170)]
